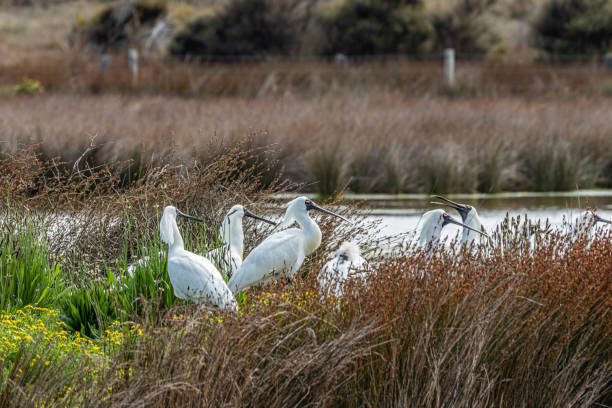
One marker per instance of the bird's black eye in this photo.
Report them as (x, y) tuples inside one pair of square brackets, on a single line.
[(307, 202)]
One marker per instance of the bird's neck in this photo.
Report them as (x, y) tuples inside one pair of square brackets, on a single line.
[(233, 236), (472, 220), (430, 233), (178, 243), (312, 232)]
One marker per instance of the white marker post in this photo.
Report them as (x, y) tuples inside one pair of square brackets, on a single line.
[(133, 64), (449, 66)]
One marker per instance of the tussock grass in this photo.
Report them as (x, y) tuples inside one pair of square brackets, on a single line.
[(375, 142)]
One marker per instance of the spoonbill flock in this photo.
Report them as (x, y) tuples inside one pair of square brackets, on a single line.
[(196, 278)]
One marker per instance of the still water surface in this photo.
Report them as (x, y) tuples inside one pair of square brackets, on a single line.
[(401, 213)]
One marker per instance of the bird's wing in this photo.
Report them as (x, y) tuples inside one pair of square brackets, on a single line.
[(226, 262), (281, 252), (198, 279)]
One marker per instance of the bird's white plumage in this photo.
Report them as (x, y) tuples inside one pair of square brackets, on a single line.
[(346, 264), (139, 263), (471, 220), (282, 252), (431, 230), (228, 257), (193, 277)]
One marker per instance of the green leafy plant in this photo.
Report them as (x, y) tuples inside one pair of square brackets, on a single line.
[(27, 274), (89, 310), (149, 288)]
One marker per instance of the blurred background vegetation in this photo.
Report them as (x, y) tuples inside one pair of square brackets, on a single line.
[(209, 29), (350, 93)]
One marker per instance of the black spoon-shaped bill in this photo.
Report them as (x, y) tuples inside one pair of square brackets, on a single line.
[(191, 217), (312, 206), (247, 213)]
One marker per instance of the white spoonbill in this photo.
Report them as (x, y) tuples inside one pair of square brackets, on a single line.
[(284, 251), (346, 264), (193, 277), (229, 255), (433, 222), (469, 216)]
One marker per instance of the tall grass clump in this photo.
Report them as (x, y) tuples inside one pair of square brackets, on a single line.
[(90, 309), (28, 274), (326, 168)]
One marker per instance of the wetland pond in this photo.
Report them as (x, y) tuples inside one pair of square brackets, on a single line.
[(401, 213)]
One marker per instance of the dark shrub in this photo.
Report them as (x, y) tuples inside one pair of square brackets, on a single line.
[(365, 27), (460, 27), (113, 26), (243, 28), (574, 26)]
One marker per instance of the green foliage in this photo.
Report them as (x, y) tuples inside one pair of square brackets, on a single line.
[(89, 310), (148, 287), (243, 28), (365, 27), (460, 27), (29, 87), (27, 274), (574, 26)]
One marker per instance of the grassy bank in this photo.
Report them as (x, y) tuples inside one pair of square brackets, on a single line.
[(501, 326), (364, 142)]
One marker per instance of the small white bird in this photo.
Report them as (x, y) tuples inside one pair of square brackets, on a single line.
[(346, 264), (433, 222), (193, 277), (228, 257), (469, 216), (284, 251)]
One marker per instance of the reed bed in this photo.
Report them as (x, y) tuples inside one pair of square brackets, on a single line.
[(502, 325), (364, 142)]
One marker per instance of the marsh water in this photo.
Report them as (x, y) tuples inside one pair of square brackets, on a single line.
[(401, 213)]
